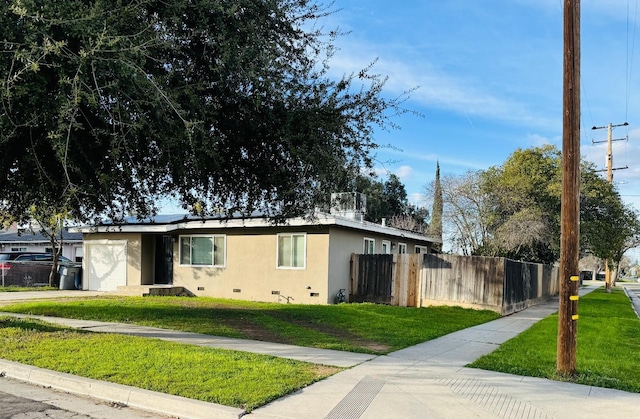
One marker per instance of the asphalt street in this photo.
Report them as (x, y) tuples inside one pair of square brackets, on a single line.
[(20, 400)]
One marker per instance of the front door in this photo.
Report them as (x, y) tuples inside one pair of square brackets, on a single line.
[(164, 260)]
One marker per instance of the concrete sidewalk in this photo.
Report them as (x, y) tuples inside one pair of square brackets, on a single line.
[(428, 380), (632, 289), (46, 295)]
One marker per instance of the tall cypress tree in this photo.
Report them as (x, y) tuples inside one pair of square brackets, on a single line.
[(435, 226)]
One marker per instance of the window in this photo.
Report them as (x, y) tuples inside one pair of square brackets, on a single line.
[(202, 250), (369, 246), (18, 249), (291, 250), (386, 247), (78, 254), (402, 248), (421, 249)]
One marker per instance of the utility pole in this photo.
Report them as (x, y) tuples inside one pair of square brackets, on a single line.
[(570, 210), (610, 169), (609, 142)]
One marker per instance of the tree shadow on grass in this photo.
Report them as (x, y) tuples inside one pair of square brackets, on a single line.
[(28, 324)]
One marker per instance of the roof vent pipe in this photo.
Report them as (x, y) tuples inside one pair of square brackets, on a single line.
[(384, 222)]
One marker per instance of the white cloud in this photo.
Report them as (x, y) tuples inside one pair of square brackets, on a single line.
[(417, 199), (441, 88), (445, 160), (537, 140), (381, 172), (404, 172)]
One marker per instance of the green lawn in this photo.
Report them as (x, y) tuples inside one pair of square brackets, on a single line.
[(367, 328), (230, 378), (608, 345)]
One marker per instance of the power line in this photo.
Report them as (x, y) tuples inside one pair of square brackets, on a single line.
[(629, 64)]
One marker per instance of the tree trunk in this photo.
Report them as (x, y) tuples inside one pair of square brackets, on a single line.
[(57, 250), (614, 274)]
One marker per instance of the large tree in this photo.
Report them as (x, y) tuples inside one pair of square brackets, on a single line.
[(524, 205), (465, 211), (513, 210), (611, 228), (109, 105)]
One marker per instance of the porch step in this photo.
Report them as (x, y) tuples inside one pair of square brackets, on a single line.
[(153, 290)]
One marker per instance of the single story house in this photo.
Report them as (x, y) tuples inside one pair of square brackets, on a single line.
[(18, 239), (303, 261)]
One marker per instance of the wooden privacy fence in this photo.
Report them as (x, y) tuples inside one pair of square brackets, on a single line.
[(374, 278), (416, 280)]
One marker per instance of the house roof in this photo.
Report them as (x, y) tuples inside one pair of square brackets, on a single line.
[(171, 223), (13, 235)]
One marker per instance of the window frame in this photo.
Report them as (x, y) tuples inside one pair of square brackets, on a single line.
[(291, 258), (213, 255), (402, 246), (386, 243), (365, 247), (423, 249)]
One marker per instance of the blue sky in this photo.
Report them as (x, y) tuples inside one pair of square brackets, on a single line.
[(489, 74)]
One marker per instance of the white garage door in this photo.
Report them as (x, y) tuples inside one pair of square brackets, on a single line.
[(105, 265)]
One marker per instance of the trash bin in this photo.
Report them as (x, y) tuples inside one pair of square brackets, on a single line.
[(68, 276), (78, 279)]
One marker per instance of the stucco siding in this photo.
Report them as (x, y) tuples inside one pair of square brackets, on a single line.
[(344, 242), (250, 271), (133, 249)]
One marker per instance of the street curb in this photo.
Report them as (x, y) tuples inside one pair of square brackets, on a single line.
[(633, 299), (153, 401)]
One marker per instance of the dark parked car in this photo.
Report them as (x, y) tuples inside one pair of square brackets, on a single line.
[(41, 257), (8, 256), (26, 269)]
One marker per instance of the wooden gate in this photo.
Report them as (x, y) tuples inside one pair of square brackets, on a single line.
[(407, 279), (371, 278), (387, 279)]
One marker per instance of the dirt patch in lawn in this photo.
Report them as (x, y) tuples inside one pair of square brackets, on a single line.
[(253, 331), (246, 327), (338, 333), (258, 332), (242, 321)]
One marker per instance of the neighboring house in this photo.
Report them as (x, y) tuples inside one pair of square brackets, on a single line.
[(303, 261), (17, 239)]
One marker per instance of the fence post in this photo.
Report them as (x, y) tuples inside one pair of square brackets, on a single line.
[(421, 279), (354, 275), (394, 281)]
